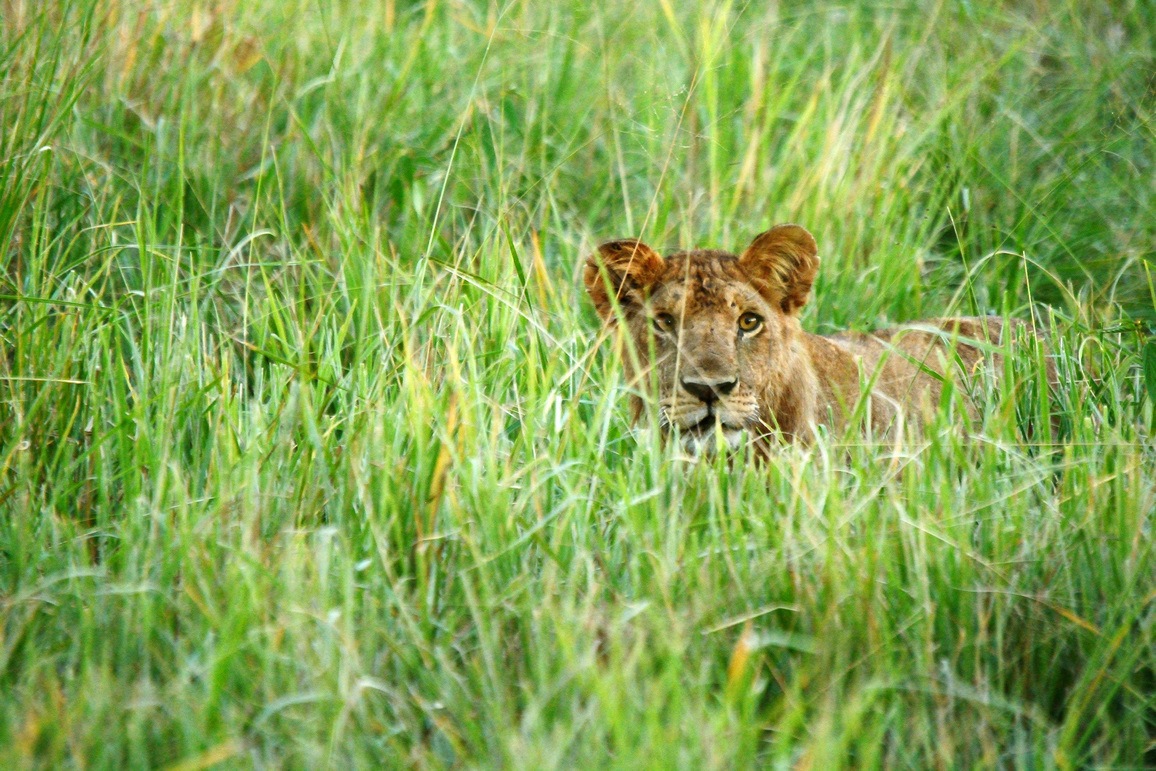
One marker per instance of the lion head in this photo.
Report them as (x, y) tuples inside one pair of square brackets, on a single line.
[(719, 333)]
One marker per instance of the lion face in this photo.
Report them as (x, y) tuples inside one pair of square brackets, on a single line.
[(714, 332), (713, 336)]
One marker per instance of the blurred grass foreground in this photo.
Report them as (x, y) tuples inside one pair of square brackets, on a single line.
[(309, 456)]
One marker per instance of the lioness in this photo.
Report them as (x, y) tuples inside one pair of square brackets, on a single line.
[(729, 353)]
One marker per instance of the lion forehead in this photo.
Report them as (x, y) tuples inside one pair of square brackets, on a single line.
[(706, 282)]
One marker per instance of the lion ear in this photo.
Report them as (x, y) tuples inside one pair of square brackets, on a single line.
[(630, 268), (782, 264)]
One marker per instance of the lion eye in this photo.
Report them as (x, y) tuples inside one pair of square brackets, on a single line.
[(749, 322), (664, 322)]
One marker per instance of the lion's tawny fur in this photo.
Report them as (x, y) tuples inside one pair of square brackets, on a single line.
[(729, 351)]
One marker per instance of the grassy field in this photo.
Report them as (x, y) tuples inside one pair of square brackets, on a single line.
[(309, 456)]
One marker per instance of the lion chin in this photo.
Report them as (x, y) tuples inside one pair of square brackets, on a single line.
[(706, 436)]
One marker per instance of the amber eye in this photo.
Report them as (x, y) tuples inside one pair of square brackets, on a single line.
[(664, 322), (749, 322)]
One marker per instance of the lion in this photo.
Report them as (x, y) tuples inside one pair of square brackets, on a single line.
[(719, 334)]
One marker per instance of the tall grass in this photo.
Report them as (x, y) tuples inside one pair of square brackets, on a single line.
[(309, 456)]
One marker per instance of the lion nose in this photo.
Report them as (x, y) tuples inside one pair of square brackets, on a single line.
[(709, 390)]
